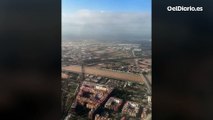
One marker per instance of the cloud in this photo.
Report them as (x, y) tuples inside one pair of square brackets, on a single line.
[(103, 25)]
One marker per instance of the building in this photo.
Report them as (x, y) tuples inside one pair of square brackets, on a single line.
[(131, 109), (149, 99), (144, 114), (113, 104), (64, 76), (92, 96), (99, 117)]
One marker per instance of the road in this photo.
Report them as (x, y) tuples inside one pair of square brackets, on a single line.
[(104, 73), (108, 60), (145, 79), (146, 83)]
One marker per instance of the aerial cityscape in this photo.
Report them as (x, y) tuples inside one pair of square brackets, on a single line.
[(106, 73)]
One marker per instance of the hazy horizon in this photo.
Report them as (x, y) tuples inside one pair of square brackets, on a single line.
[(106, 20)]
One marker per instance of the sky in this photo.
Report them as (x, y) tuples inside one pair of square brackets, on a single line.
[(106, 19)]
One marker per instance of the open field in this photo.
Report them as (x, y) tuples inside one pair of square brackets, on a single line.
[(104, 73)]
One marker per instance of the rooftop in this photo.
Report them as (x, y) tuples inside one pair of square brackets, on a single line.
[(131, 108), (92, 95), (113, 103)]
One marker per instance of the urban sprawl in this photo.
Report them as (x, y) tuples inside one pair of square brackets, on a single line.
[(106, 80)]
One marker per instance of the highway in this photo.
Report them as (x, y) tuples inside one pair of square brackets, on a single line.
[(145, 79), (147, 83), (105, 73)]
